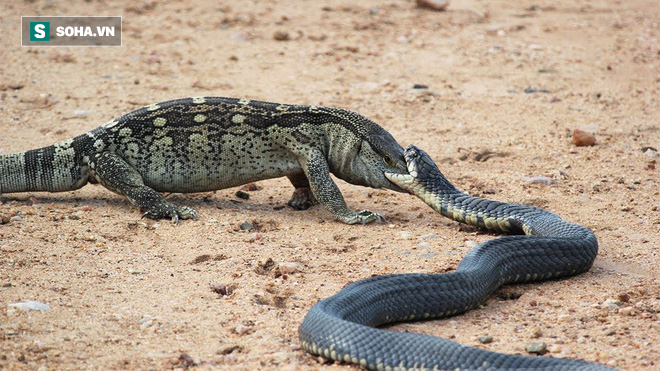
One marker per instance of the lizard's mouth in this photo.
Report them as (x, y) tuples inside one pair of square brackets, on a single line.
[(394, 186)]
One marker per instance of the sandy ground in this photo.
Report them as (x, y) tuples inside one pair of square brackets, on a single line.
[(508, 82)]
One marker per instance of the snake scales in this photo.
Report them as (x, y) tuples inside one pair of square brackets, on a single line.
[(343, 327)]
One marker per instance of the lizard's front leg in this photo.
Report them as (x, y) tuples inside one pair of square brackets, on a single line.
[(327, 193), (114, 173)]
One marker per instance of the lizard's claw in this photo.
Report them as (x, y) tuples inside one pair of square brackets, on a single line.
[(364, 217)]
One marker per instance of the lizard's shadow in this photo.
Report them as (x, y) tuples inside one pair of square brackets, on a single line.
[(202, 202)]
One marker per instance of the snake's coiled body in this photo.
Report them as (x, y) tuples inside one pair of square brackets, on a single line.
[(342, 327)]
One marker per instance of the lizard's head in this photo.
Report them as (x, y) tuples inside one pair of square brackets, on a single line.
[(362, 152), (379, 153)]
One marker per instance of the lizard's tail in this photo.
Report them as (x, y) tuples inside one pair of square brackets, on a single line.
[(55, 168)]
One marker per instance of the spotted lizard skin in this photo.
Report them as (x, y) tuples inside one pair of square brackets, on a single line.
[(210, 143)]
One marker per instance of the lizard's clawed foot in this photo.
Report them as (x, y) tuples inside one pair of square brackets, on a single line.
[(302, 199), (364, 217), (172, 212)]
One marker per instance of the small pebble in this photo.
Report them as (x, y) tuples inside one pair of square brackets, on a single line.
[(289, 267), (544, 180), (280, 35), (624, 297), (186, 361), (427, 236), (564, 318), (241, 329), (651, 153), (219, 289), (627, 311), (247, 226), (470, 244), (250, 187), (405, 235), (555, 348), (29, 305), (429, 255), (582, 138), (243, 195), (433, 4), (255, 237), (536, 332), (536, 347), (610, 304), (486, 339)]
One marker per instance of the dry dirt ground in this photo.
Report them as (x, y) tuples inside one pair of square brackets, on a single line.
[(507, 84)]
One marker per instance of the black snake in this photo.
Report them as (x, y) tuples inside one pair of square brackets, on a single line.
[(343, 327)]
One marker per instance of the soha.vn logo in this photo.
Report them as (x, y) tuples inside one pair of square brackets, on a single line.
[(40, 31)]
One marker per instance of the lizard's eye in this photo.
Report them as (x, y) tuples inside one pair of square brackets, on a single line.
[(387, 160)]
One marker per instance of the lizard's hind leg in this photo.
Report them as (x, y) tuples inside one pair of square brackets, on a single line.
[(114, 173), (302, 198)]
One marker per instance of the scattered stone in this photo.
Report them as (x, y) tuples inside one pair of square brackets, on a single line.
[(81, 112), (555, 348), (280, 35), (470, 244), (405, 235), (288, 267), (420, 86), (651, 153), (219, 289), (250, 187), (433, 4), (564, 318), (241, 329), (201, 259), (230, 349), (536, 332), (487, 339), (536, 348), (581, 198), (624, 297), (243, 195), (186, 361), (627, 311), (611, 304), (246, 226), (429, 255), (534, 90), (255, 237), (543, 180), (29, 305), (4, 219), (427, 236), (582, 138), (265, 267)]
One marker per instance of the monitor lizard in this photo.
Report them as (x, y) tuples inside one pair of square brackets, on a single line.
[(209, 143)]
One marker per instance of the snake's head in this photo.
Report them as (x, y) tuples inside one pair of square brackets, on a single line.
[(422, 171)]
